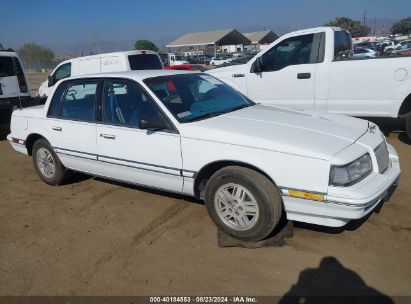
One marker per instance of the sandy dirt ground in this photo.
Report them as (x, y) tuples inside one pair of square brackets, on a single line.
[(94, 237)]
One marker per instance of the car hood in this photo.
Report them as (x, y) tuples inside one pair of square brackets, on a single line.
[(310, 134)]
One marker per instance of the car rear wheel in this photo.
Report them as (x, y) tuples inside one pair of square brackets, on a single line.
[(47, 163), (408, 125), (243, 203)]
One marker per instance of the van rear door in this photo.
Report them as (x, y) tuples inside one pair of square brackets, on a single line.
[(145, 62), (9, 85)]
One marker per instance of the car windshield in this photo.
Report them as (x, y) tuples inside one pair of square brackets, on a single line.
[(191, 97)]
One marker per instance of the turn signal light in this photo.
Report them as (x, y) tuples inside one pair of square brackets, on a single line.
[(306, 195)]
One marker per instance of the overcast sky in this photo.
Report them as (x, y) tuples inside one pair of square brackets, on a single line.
[(64, 23)]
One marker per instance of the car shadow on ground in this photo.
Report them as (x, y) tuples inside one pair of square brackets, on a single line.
[(4, 130), (392, 125), (331, 282), (160, 192)]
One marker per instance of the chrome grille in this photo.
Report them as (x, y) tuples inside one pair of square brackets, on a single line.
[(381, 154)]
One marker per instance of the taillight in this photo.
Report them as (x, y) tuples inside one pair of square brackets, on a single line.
[(22, 83)]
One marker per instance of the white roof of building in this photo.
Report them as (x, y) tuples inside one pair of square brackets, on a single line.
[(261, 37), (220, 37)]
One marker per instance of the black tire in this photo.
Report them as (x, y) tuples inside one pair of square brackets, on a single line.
[(408, 125), (264, 191), (60, 172)]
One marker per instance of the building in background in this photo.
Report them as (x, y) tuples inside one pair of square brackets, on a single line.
[(259, 40), (228, 40)]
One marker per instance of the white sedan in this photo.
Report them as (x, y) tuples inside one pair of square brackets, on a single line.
[(192, 134), (217, 61)]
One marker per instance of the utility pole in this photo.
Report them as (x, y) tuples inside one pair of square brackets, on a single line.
[(364, 18), (375, 23), (94, 43)]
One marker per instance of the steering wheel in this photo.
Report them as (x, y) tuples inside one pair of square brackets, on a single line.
[(72, 93)]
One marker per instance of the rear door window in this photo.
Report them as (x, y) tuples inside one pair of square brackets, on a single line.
[(145, 62), (342, 46), (78, 103)]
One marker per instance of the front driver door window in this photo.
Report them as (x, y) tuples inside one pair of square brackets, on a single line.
[(62, 72), (287, 76), (131, 154)]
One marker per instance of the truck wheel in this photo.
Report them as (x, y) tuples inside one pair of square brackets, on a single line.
[(243, 203), (47, 164), (408, 126)]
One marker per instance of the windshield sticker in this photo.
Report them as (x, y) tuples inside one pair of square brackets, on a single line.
[(211, 79), (184, 114)]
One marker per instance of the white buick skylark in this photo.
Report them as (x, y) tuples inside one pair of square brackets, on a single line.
[(192, 134)]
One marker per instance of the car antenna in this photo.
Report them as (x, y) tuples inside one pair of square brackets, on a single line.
[(15, 71)]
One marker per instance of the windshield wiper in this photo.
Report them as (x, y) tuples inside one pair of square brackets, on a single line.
[(241, 107), (207, 115)]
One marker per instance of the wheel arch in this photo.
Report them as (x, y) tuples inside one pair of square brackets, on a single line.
[(405, 107), (30, 140), (204, 174)]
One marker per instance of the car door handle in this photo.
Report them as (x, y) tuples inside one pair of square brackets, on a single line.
[(57, 128), (303, 75), (108, 136), (238, 75)]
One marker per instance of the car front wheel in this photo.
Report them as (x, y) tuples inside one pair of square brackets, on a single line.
[(408, 125), (243, 203), (47, 164)]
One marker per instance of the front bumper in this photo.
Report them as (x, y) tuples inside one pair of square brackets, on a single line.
[(348, 203)]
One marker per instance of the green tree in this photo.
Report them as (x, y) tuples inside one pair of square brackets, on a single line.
[(355, 28), (1, 46), (32, 51), (402, 27), (145, 45)]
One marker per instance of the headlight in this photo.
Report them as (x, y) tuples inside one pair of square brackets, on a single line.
[(351, 173)]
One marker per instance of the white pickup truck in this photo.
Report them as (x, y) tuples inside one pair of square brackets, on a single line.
[(313, 69)]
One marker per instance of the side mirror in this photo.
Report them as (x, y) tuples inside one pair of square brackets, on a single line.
[(50, 81), (258, 65), (154, 123)]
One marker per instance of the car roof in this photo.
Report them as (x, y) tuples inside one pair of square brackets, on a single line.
[(136, 75), (7, 53)]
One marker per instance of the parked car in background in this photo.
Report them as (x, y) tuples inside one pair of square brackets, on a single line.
[(174, 59), (361, 53), (405, 52), (187, 67), (366, 45), (313, 69), (403, 46), (220, 60), (238, 60), (199, 59), (399, 46), (192, 134), (14, 87), (107, 62)]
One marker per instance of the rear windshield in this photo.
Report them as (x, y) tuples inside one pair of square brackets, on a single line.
[(6, 67), (144, 62)]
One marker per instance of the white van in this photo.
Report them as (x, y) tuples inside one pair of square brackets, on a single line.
[(101, 63), (14, 88)]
